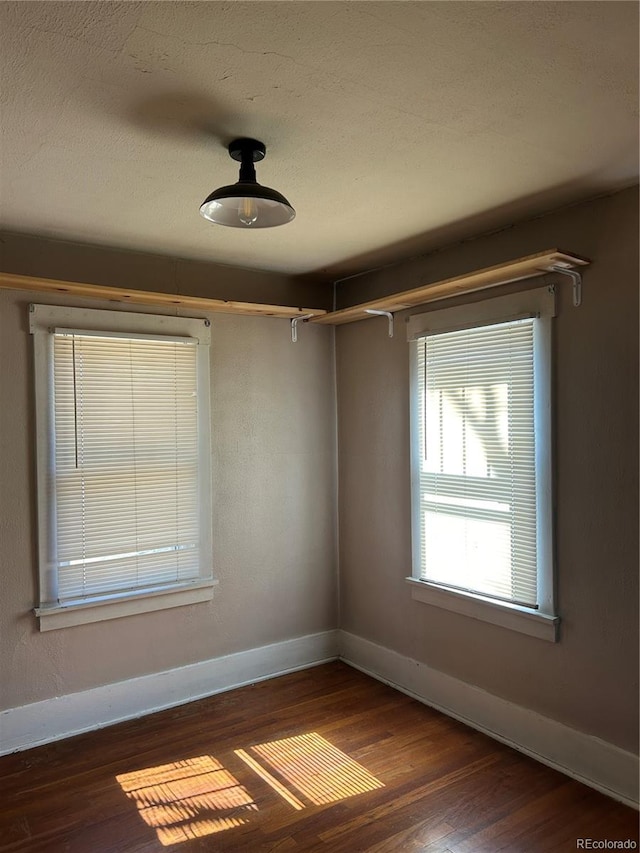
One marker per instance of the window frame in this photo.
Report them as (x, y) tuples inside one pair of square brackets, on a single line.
[(51, 613), (541, 622)]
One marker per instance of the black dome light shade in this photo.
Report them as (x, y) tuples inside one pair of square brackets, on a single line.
[(247, 204)]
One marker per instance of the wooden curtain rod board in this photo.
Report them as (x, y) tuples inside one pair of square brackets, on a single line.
[(147, 297), (517, 270)]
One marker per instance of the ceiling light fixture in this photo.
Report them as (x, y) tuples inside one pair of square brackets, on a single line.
[(247, 204)]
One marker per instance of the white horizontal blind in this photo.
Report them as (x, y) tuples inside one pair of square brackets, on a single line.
[(126, 473), (477, 512)]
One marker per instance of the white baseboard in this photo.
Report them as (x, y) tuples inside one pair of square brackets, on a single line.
[(596, 763), (588, 759), (63, 716)]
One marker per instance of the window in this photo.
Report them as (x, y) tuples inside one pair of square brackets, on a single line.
[(481, 461), (122, 405)]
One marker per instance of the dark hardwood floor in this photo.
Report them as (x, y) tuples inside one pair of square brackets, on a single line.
[(326, 759)]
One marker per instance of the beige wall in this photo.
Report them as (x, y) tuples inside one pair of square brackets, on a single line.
[(29, 255), (589, 680), (273, 435)]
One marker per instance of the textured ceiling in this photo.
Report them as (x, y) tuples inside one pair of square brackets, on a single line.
[(392, 127)]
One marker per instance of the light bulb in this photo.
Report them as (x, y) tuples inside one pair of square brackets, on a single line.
[(247, 210)]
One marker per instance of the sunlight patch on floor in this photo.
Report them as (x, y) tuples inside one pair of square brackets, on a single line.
[(270, 779), (317, 769), (196, 797), (188, 799)]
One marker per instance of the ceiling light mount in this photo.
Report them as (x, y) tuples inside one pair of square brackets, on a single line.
[(247, 204), (245, 147)]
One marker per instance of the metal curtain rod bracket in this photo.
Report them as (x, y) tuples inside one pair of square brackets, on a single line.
[(576, 277), (386, 314), (294, 325)]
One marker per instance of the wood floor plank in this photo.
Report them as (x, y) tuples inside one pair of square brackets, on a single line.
[(338, 763)]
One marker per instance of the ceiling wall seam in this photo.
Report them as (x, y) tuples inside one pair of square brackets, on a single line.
[(480, 236)]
